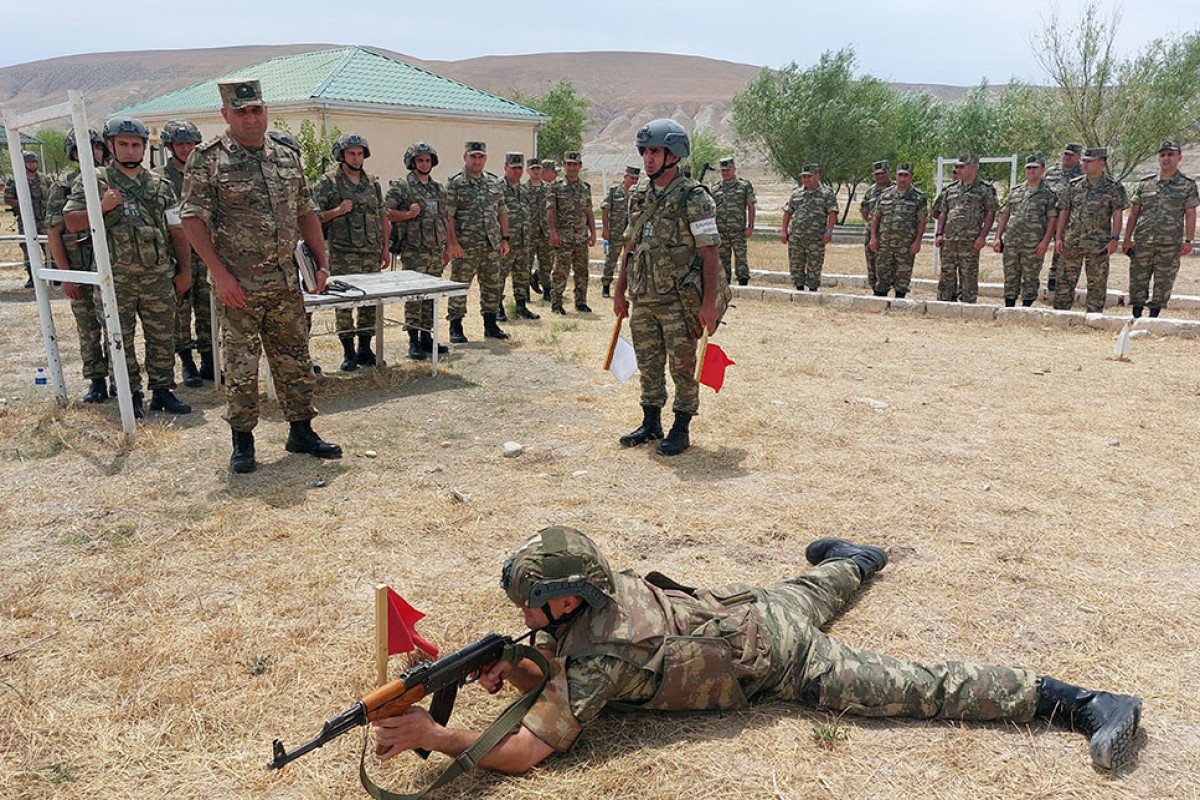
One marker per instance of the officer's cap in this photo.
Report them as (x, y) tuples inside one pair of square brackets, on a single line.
[(1095, 154), (1035, 160), (810, 169), (1073, 148), (550, 164), (635, 172), (727, 163), (572, 157), (240, 94), (905, 168), (31, 157), (475, 147), (967, 158), (514, 159), (1169, 145), (879, 166), (533, 162)]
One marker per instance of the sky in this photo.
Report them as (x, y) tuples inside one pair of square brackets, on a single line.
[(904, 41)]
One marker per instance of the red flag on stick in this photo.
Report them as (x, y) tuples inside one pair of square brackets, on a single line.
[(401, 627), (712, 367)]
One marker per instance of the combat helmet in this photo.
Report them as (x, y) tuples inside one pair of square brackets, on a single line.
[(557, 562), (177, 131), (93, 137), (125, 125), (420, 148), (665, 133), (350, 140)]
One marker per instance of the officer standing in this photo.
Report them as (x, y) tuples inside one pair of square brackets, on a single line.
[(539, 237), (572, 226), (1057, 179), (546, 266), (245, 203), (1089, 226), (897, 229), (350, 204), (881, 174), (39, 190), (808, 220), (614, 217), (672, 282), (1162, 223), (736, 205), (477, 228), (417, 205), (180, 138), (141, 220), (964, 212), (1024, 233), (521, 221)]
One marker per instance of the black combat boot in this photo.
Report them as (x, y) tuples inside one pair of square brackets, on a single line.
[(139, 405), (1110, 721), (545, 292), (1052, 283), (523, 310), (165, 400), (206, 365), (535, 283), (303, 439), (648, 431), (799, 287), (1154, 311), (97, 391), (191, 376), (501, 316), (867, 558), (900, 294), (605, 291), (1137, 311), (557, 308), (1028, 301), (490, 329), (242, 459), (677, 438), (880, 292), (366, 357), (415, 352), (583, 308), (349, 355), (743, 281), (456, 332), (427, 342), (1010, 302)]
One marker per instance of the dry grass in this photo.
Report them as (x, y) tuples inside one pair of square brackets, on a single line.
[(1039, 501)]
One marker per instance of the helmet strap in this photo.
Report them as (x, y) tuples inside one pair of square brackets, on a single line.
[(559, 622), (667, 164), (130, 164)]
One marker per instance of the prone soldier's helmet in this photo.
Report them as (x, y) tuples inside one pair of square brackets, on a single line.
[(69, 143), (118, 126), (665, 133), (557, 562), (178, 131), (419, 149), (349, 140)]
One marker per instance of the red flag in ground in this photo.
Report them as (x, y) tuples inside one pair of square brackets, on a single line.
[(401, 631), (712, 373)]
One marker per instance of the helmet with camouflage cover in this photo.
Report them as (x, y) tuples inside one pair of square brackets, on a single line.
[(557, 562), (118, 126), (69, 142), (665, 133), (350, 140), (177, 131), (418, 149)]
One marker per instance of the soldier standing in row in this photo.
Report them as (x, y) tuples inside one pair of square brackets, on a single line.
[(572, 226), (417, 205), (245, 203), (180, 138), (1162, 222), (349, 202), (1089, 227), (897, 229), (964, 211), (1024, 233), (672, 281), (736, 205), (614, 216), (546, 266), (808, 220), (141, 220), (1057, 179), (39, 190), (477, 228), (521, 221), (881, 174), (74, 251), (539, 237)]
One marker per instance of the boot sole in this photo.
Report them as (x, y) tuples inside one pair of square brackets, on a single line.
[(637, 441), (243, 470), (295, 448), (818, 551), (1112, 747)]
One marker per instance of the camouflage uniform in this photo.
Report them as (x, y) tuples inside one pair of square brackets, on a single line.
[(810, 210), (1158, 236), (616, 202), (88, 310), (900, 215), (39, 191), (355, 239), (474, 207), (540, 247), (139, 246), (664, 269), (870, 202), (198, 298), (733, 199), (1030, 211), (422, 239), (1089, 207), (516, 198), (965, 206), (571, 201), (251, 203), (1057, 180)]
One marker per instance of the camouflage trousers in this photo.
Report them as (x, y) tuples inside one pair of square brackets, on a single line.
[(541, 249), (570, 259), (1022, 273), (611, 259), (1055, 271), (484, 264), (354, 263), (732, 251), (89, 322), (1074, 261), (660, 334), (149, 297), (419, 313), (1157, 261), (272, 320), (959, 276), (516, 263), (810, 666), (805, 259), (195, 300), (872, 259), (893, 268)]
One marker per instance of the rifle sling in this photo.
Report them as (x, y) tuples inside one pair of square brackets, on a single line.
[(505, 724)]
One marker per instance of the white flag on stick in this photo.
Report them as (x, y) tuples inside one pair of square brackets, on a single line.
[(624, 360), (1123, 347)]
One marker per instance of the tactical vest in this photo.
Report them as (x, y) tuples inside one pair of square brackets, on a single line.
[(362, 227), (702, 647), (427, 230), (137, 229), (78, 246)]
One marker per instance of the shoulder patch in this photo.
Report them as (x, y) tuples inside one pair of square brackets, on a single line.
[(281, 139)]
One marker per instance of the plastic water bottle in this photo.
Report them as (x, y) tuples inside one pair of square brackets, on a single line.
[(606, 245), (39, 379)]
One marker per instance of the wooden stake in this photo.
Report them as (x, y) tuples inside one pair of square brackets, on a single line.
[(703, 352), (381, 634), (612, 343)]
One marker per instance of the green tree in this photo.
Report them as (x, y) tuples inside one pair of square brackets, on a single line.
[(56, 160), (706, 149), (316, 148), (912, 127), (568, 117)]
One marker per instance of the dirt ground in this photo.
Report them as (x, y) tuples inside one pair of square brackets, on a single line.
[(1038, 499)]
